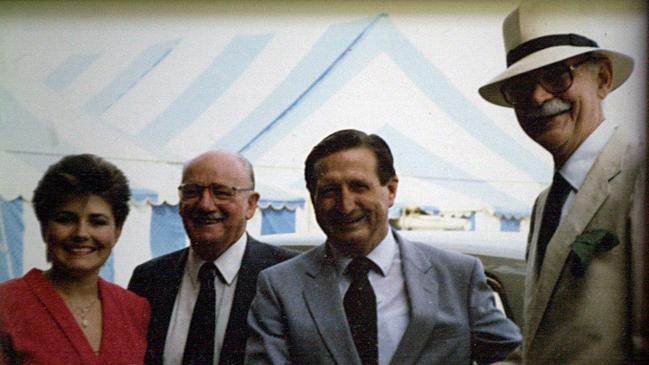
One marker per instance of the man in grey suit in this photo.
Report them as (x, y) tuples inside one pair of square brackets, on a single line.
[(368, 296), (217, 198), (584, 239)]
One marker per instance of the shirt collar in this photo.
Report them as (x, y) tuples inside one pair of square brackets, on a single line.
[(228, 263), (382, 255), (578, 165)]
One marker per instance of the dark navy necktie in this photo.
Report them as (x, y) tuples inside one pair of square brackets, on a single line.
[(360, 308), (552, 213), (199, 348)]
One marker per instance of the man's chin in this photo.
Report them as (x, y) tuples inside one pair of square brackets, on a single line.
[(550, 139), (205, 232), (350, 244), (546, 136), (208, 250)]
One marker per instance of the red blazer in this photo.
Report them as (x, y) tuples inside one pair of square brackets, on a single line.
[(36, 326)]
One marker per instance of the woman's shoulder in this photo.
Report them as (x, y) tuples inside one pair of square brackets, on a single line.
[(119, 293), (124, 301), (126, 307), (11, 291), (21, 295), (12, 285), (10, 288)]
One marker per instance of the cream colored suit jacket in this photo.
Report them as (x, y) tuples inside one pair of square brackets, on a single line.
[(586, 320)]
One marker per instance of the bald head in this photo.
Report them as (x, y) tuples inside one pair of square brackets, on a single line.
[(217, 158), (217, 201)]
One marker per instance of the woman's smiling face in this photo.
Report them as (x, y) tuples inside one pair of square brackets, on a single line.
[(80, 235)]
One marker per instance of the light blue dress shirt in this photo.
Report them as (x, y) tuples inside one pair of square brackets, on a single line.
[(581, 161)]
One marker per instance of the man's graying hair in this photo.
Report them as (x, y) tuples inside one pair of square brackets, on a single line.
[(594, 62), (248, 166)]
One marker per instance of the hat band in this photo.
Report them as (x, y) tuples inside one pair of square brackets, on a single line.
[(537, 44)]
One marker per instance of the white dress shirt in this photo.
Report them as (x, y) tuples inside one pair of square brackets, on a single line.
[(392, 309), (228, 264), (581, 161)]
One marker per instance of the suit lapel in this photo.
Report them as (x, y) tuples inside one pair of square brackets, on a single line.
[(421, 288), (588, 200), (531, 256), (235, 335), (324, 302), (163, 303), (531, 275), (58, 310)]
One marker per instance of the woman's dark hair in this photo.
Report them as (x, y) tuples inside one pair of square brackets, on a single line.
[(82, 175), (348, 139)]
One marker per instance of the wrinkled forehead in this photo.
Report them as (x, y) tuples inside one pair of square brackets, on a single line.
[(349, 163), (216, 168)]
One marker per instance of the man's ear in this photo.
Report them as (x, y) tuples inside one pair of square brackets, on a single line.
[(604, 78), (392, 185), (253, 199)]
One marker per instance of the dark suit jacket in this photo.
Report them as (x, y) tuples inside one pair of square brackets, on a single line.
[(298, 316), (159, 280)]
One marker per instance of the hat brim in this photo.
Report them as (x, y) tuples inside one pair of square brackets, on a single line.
[(622, 66)]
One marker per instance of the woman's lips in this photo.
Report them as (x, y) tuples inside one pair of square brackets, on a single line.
[(80, 251)]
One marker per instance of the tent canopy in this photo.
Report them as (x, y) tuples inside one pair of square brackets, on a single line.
[(97, 98), (149, 93), (149, 86)]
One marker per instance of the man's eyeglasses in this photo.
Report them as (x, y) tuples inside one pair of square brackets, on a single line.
[(220, 193), (555, 79)]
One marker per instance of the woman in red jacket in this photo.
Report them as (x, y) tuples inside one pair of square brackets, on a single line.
[(68, 314)]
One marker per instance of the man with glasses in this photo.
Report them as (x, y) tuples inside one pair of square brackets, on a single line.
[(579, 291), (200, 295)]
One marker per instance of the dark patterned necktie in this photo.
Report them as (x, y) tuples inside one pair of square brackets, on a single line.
[(552, 213), (199, 348), (360, 308)]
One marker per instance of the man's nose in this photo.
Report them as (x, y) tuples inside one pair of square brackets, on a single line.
[(205, 200), (346, 202), (539, 95)]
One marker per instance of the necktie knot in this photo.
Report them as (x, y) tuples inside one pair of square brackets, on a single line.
[(557, 196), (560, 184), (359, 267), (206, 274)]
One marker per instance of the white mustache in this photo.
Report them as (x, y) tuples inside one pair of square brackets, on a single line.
[(208, 218), (547, 109)]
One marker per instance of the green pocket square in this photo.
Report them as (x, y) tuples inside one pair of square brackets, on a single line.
[(588, 244)]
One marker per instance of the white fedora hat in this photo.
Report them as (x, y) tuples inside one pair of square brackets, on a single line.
[(540, 33)]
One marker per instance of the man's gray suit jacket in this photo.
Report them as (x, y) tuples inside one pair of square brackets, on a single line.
[(298, 316)]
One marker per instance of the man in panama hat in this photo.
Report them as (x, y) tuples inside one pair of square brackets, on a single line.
[(579, 290)]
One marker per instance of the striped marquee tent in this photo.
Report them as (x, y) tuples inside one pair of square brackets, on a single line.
[(150, 88)]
